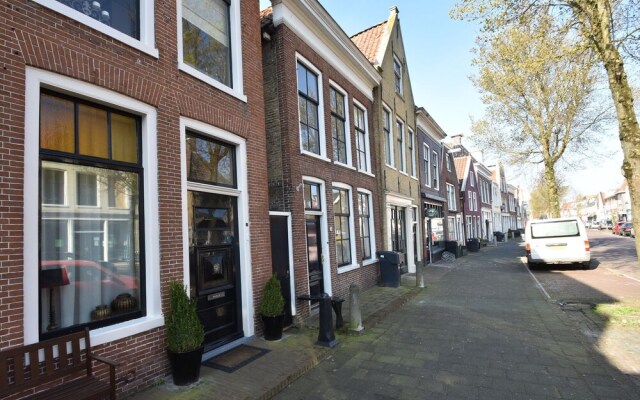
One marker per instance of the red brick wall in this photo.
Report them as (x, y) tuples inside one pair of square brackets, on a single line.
[(32, 35), (281, 98)]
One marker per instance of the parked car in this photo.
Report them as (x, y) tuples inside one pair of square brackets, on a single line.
[(602, 225), (557, 241), (616, 228), (626, 229)]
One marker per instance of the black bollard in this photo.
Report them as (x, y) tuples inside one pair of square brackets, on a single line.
[(326, 337)]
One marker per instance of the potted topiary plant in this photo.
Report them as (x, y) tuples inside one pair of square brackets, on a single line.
[(185, 336), (271, 309)]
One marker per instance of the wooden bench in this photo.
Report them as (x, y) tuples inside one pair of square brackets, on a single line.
[(58, 367)]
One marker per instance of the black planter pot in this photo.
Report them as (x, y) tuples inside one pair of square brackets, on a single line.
[(185, 366), (273, 327)]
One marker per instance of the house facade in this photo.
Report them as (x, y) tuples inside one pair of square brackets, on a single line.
[(432, 186), (395, 132), (453, 214), (127, 156), (486, 202), (323, 183)]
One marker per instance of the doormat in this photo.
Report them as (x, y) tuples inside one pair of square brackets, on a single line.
[(236, 358)]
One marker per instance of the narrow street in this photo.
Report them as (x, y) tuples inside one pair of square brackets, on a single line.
[(484, 330)]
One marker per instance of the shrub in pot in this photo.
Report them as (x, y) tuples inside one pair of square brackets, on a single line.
[(271, 309), (185, 336)]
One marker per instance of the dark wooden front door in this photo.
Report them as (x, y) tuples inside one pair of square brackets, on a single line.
[(214, 268), (280, 260), (314, 256)]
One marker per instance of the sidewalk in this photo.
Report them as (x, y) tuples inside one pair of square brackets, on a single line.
[(288, 358)]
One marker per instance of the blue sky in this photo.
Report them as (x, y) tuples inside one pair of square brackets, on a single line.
[(439, 61)]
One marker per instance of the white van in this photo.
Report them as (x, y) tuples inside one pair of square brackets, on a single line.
[(557, 241)]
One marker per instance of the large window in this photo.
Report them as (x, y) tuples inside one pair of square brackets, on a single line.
[(362, 141), (412, 154), (451, 197), (90, 215), (338, 126), (401, 151), (121, 15), (308, 101), (206, 38), (366, 224), (388, 138), (342, 225)]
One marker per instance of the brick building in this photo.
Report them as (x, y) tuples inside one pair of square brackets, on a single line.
[(126, 134), (322, 168), (395, 130)]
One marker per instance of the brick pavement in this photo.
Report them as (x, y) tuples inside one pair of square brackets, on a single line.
[(482, 331)]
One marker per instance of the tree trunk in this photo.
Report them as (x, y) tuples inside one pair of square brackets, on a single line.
[(628, 129), (552, 189)]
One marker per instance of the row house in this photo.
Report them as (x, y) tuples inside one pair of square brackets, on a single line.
[(469, 196), (394, 131), (134, 147), (486, 209), (438, 192), (322, 168)]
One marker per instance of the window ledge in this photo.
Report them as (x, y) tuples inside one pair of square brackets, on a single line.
[(369, 261), (391, 166), (414, 177), (347, 268), (210, 81), (404, 173), (125, 329), (345, 165), (367, 173), (314, 155)]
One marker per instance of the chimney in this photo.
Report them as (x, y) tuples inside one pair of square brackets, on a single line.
[(457, 139), (394, 10)]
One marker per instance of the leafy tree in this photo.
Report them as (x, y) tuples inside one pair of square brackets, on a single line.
[(539, 201), (540, 91), (610, 30)]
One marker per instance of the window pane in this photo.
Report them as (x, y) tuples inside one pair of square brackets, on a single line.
[(210, 161), (122, 15), (57, 124), (205, 38), (52, 186), (90, 264), (92, 131), (86, 189), (312, 85), (124, 138), (314, 141), (302, 78)]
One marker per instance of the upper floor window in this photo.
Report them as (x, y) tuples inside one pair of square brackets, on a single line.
[(121, 15), (451, 197), (308, 103), (362, 139), (472, 179), (209, 43), (412, 154), (401, 150), (426, 156), (338, 126), (388, 139), (448, 158), (436, 171), (397, 74)]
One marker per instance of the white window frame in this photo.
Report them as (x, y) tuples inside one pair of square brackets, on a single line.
[(347, 124), (352, 231), (396, 60), (412, 152), (145, 44), (389, 140), (475, 201), (451, 197), (402, 153), (470, 200), (469, 225), (448, 161), (372, 230), (367, 146), (472, 179), (324, 232), (321, 116), (426, 156), (239, 192), (235, 36), (35, 81), (436, 165)]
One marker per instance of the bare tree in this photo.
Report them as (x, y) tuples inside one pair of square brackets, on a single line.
[(540, 92)]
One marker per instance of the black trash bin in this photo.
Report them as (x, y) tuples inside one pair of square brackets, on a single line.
[(473, 245), (452, 247), (499, 236), (390, 267)]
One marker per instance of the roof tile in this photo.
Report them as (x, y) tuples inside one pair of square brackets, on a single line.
[(368, 41)]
